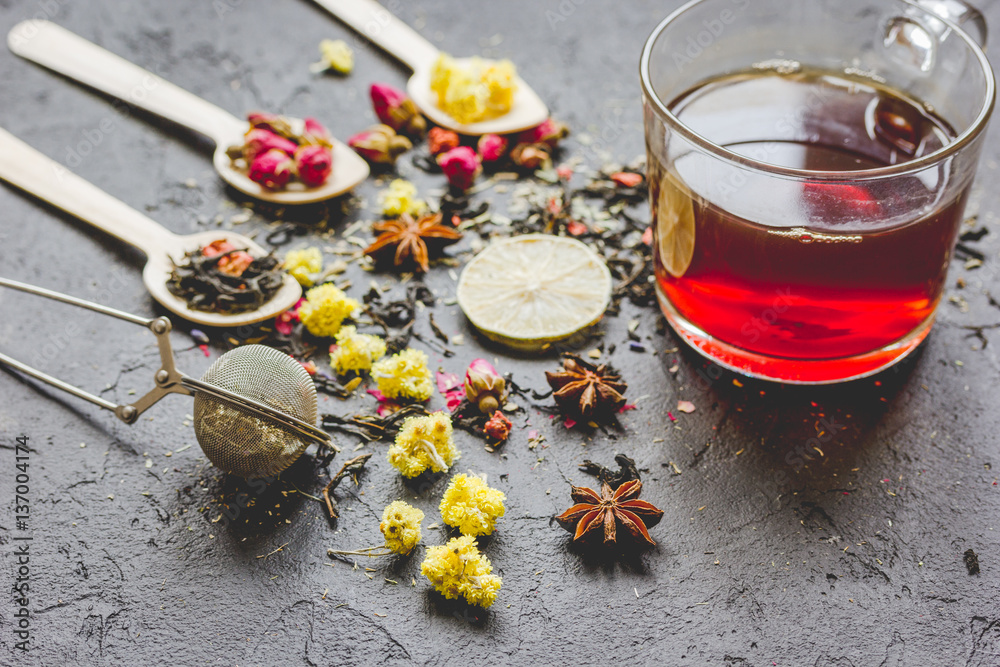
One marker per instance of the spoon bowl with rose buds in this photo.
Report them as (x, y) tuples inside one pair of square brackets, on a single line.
[(376, 23), (64, 52), (26, 168)]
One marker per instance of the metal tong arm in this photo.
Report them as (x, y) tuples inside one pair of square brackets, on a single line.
[(168, 378), (300, 426)]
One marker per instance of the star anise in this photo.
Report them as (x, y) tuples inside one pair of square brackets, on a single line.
[(604, 512), (410, 242), (587, 391)]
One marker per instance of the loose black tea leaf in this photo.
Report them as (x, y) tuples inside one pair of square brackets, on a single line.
[(202, 284), (373, 427), (351, 467), (627, 471), (971, 561)]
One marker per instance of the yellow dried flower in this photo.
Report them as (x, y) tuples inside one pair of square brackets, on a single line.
[(472, 506), (354, 351), (458, 569), (401, 526), (404, 375), (422, 443), (335, 54), (476, 91), (304, 264), (325, 309), (399, 198)]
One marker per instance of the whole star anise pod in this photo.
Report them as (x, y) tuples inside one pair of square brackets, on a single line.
[(604, 512), (411, 242), (586, 391)]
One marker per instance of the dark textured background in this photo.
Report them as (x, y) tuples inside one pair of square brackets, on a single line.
[(769, 552)]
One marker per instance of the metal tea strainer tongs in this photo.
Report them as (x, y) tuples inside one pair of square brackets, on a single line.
[(254, 408)]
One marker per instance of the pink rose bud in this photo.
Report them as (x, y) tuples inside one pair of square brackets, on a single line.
[(548, 133), (259, 141), (498, 427), (313, 164), (626, 179), (530, 156), (316, 133), (272, 122), (440, 140), (492, 147), (395, 109), (256, 118), (379, 144), (272, 169), (461, 166), (484, 386)]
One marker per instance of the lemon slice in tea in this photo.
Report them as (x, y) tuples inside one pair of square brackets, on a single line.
[(674, 226), (532, 290)]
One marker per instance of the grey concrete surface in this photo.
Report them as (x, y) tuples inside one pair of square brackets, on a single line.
[(769, 553)]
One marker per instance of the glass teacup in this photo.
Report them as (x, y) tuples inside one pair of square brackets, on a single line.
[(809, 164)]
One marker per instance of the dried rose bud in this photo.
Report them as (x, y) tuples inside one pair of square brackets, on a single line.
[(440, 140), (272, 169), (548, 133), (626, 179), (395, 109), (461, 165), (315, 133), (235, 263), (498, 427), (492, 147), (530, 156), (380, 144), (484, 387), (217, 248), (271, 121), (259, 140), (314, 164)]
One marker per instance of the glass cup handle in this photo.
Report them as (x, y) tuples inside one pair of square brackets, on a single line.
[(970, 19), (912, 37)]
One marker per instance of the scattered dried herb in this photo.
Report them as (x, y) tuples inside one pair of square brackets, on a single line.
[(203, 285), (971, 561), (602, 513), (351, 468), (373, 427), (586, 391), (410, 242), (396, 318), (627, 471)]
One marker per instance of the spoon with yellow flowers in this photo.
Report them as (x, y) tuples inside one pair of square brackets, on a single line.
[(468, 95), (272, 158)]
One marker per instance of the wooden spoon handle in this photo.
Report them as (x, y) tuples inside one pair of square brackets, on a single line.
[(23, 166), (69, 54), (375, 22)]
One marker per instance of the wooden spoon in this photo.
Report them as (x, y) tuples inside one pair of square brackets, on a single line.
[(396, 38), (69, 54), (23, 166)]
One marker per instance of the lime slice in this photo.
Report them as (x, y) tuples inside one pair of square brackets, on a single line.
[(674, 226), (532, 290)]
